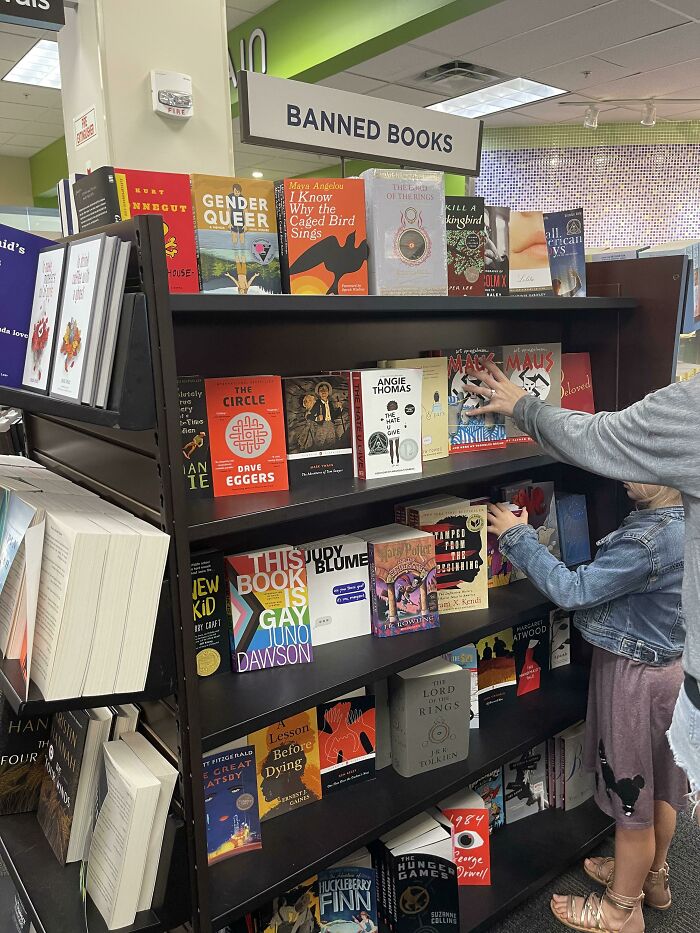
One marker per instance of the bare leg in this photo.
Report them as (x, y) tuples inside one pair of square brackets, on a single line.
[(664, 828)]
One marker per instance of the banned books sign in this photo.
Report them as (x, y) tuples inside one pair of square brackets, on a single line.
[(295, 115)]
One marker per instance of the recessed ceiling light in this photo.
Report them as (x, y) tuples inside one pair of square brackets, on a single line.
[(505, 96), (257, 174), (39, 66)]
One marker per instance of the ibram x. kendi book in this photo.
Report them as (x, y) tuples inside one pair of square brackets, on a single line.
[(231, 803), (346, 741)]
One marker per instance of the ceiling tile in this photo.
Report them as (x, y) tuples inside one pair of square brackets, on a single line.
[(570, 75), (235, 17), (659, 82), (664, 48), (19, 152), (14, 111), (48, 116), (4, 137), (32, 139), (687, 7), (28, 31), (26, 94), (509, 118), (402, 62), (407, 95), (347, 81), (13, 46)]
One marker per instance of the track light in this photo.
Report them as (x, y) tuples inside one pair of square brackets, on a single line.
[(590, 120), (649, 118)]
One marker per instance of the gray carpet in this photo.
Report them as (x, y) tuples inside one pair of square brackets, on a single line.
[(534, 916)]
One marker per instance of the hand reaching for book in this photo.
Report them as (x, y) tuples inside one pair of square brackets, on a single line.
[(499, 391), (501, 518)]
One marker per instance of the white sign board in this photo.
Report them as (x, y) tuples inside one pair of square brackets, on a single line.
[(85, 128), (295, 115)]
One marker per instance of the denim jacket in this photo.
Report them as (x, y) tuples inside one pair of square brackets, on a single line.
[(628, 600)]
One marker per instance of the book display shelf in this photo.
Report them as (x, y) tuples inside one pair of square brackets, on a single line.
[(133, 458)]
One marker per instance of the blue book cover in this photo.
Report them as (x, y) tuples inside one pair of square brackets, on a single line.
[(231, 803), (347, 900), (19, 259), (574, 539), (567, 252), (490, 789)]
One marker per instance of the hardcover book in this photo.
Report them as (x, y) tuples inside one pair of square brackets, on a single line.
[(467, 658), (435, 444), (538, 499), (387, 415), (236, 231), (525, 781), (246, 434), (319, 429), (337, 578), (286, 756), (567, 252), (323, 238), (59, 786), (531, 650), (528, 257), (23, 744), (196, 455), (572, 521), (471, 432), (496, 250), (466, 239), (347, 900), (231, 803), (497, 678), (406, 232), (211, 636), (346, 741), (537, 370), (269, 609), (499, 569), (42, 324), (490, 789), (577, 382), (559, 638)]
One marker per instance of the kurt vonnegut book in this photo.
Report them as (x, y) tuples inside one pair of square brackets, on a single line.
[(319, 429), (465, 245), (525, 780), (323, 239), (435, 443), (406, 232), (236, 230), (346, 741), (490, 789), (231, 803), (467, 658), (337, 577), (567, 252), (286, 756), (531, 651), (269, 608), (194, 433), (210, 618), (471, 432), (536, 368)]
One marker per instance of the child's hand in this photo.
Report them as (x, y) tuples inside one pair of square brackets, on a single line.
[(501, 519)]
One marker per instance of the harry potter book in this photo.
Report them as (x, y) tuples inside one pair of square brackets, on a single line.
[(471, 432), (496, 250), (531, 650), (577, 382), (337, 577), (231, 803), (535, 368), (567, 252), (435, 443), (528, 257), (236, 230), (466, 238), (497, 677), (287, 761), (211, 637), (323, 236), (269, 608), (194, 431), (23, 745), (319, 429), (347, 741)]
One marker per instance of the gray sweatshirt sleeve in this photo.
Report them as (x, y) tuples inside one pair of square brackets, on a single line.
[(652, 441)]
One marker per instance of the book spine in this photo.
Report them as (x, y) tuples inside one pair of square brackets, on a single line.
[(359, 424), (282, 235), (122, 193), (373, 590)]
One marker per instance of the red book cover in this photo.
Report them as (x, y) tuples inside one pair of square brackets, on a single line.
[(471, 847), (577, 382), (169, 195), (246, 434)]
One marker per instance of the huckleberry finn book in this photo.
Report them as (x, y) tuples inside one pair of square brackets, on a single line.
[(347, 899)]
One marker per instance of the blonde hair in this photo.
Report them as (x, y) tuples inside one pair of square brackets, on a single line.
[(655, 497)]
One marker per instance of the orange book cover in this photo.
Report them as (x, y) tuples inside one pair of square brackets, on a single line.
[(247, 443), (323, 237)]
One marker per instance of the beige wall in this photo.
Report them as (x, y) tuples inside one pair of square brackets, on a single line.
[(15, 183)]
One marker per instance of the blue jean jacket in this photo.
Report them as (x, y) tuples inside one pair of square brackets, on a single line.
[(628, 599)]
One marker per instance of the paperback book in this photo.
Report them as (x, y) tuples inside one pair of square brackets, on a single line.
[(231, 803), (296, 909), (567, 252), (471, 432), (466, 239), (572, 521), (319, 429), (337, 578), (539, 500), (528, 268), (579, 784), (497, 677), (531, 650), (435, 443), (23, 744), (537, 370), (525, 781), (210, 618), (347, 900), (577, 383), (346, 741), (496, 250), (559, 638), (194, 430), (490, 789), (425, 893), (42, 324), (467, 658), (499, 568)]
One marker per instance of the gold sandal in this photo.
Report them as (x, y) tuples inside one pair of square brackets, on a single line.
[(604, 873), (590, 917)]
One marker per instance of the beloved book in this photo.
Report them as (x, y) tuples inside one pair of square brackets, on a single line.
[(435, 444), (23, 745), (467, 658), (269, 608), (287, 761), (496, 250), (347, 899), (525, 781), (323, 237), (231, 803), (537, 370), (577, 382), (319, 429), (572, 521), (59, 787), (194, 430), (406, 232), (490, 788), (210, 618), (337, 578), (567, 252), (246, 434), (497, 678), (471, 432), (466, 240), (559, 638), (236, 231), (387, 416), (346, 741), (429, 704), (19, 260), (528, 257), (531, 650), (42, 324)]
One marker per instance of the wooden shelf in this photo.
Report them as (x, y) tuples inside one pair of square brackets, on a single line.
[(234, 704), (324, 832)]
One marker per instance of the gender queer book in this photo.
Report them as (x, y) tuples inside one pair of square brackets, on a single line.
[(231, 803), (402, 580), (236, 231), (210, 618), (496, 250), (567, 253), (346, 741), (387, 416), (323, 238), (572, 520), (406, 232), (435, 444), (23, 744), (559, 638), (466, 237), (19, 259), (42, 324), (287, 762), (467, 658), (531, 650), (497, 679), (525, 780), (537, 370), (528, 257), (194, 430), (490, 789), (269, 608), (318, 418), (478, 432), (347, 900), (577, 383), (246, 434), (337, 578)]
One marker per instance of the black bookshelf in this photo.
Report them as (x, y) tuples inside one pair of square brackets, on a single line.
[(46, 405)]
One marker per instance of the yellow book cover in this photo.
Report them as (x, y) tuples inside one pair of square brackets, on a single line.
[(433, 402), (287, 761)]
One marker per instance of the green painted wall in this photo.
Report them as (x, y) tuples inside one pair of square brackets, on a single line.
[(47, 168)]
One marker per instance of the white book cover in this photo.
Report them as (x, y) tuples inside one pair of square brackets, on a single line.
[(111, 331), (337, 579), (82, 278), (387, 410), (42, 325), (99, 320), (559, 639), (578, 784)]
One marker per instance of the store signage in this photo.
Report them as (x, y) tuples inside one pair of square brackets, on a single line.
[(247, 56), (45, 14), (294, 115), (85, 128)]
